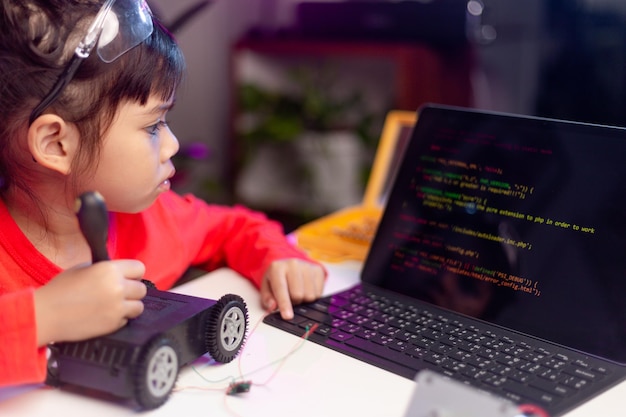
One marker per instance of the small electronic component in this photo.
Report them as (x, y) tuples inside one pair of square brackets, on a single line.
[(238, 387)]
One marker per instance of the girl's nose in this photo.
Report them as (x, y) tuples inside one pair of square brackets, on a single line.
[(170, 144)]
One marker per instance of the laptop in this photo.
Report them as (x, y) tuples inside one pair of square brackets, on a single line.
[(346, 234), (499, 261)]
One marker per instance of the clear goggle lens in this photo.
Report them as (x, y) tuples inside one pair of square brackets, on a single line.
[(125, 25), (119, 26)]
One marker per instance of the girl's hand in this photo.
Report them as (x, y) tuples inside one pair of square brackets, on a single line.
[(291, 281), (89, 301)]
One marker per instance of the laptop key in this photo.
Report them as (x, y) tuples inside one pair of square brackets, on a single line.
[(349, 328), (556, 363), (520, 376), (475, 373), (365, 333), (310, 313), (552, 375), (582, 373), (435, 358), (319, 305), (382, 339), (550, 387), (360, 320), (534, 394), (340, 336), (292, 325), (460, 355), (384, 352), (574, 382), (416, 351), (600, 370), (324, 330), (398, 345)]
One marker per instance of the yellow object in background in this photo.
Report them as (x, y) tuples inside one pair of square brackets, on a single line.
[(346, 234), (340, 236)]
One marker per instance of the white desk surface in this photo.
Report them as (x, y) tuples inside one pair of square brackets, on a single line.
[(311, 381)]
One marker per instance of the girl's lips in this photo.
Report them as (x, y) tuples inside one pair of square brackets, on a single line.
[(165, 185)]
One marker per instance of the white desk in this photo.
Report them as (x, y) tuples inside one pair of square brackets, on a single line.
[(312, 381)]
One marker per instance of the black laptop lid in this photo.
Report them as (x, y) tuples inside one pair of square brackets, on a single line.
[(515, 220)]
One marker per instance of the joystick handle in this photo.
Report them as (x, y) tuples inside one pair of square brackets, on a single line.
[(93, 219)]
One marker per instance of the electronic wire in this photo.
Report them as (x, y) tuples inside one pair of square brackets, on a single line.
[(242, 383)]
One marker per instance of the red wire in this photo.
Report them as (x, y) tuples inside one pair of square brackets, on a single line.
[(303, 338)]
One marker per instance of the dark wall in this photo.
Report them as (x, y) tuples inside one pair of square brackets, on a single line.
[(584, 78)]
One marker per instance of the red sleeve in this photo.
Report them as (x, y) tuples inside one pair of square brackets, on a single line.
[(181, 231), (21, 361), (248, 243)]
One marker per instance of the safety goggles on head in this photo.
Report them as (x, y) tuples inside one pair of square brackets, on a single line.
[(119, 26)]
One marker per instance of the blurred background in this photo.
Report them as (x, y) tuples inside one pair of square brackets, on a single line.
[(284, 100)]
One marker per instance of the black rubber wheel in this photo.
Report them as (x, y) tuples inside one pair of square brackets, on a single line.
[(156, 372), (226, 328)]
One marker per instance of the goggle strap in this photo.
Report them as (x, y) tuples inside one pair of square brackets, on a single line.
[(93, 34), (61, 83)]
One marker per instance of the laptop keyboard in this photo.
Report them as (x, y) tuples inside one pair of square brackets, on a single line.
[(405, 338)]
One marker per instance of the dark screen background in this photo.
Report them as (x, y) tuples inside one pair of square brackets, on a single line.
[(518, 221)]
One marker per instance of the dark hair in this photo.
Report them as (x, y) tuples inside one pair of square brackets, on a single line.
[(37, 38)]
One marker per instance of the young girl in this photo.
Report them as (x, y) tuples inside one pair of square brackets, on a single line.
[(85, 87)]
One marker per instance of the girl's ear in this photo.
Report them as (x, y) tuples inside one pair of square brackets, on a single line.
[(52, 142)]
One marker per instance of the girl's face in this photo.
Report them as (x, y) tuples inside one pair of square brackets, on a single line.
[(135, 164)]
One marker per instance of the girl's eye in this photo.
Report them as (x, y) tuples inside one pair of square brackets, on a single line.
[(155, 128)]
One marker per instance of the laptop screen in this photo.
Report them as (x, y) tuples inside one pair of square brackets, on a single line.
[(515, 220)]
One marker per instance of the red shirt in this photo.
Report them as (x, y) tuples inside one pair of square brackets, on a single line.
[(172, 235)]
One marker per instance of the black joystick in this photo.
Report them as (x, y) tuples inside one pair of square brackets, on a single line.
[(93, 219)]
